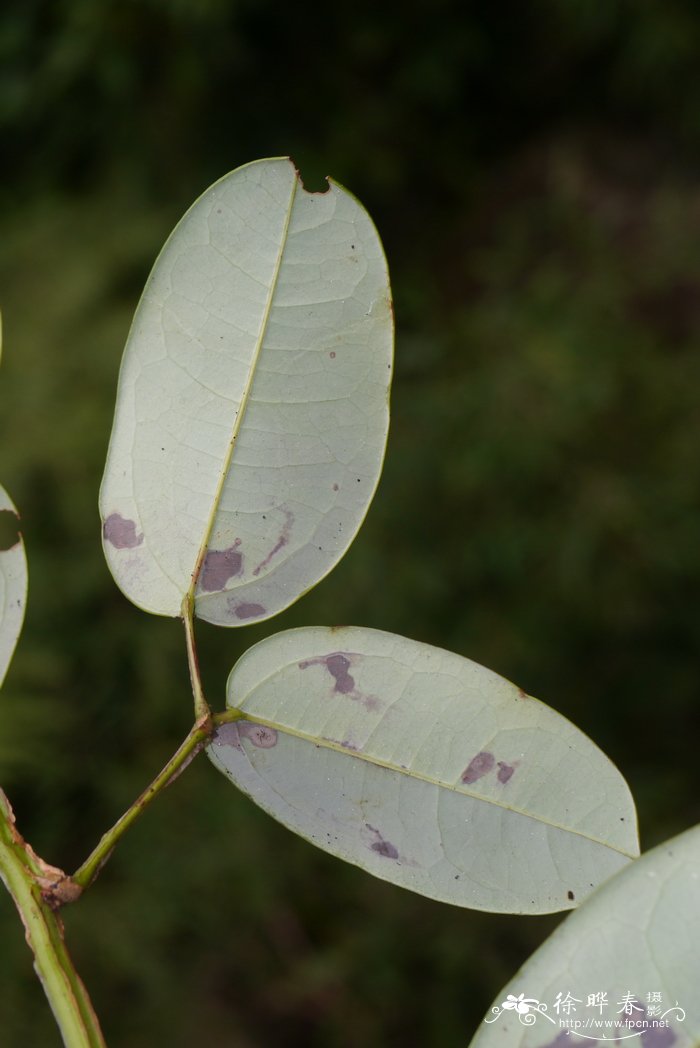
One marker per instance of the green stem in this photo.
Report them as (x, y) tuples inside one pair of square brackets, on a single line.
[(22, 873), (195, 741)]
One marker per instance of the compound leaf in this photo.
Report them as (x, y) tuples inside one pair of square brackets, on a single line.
[(424, 769), (252, 413)]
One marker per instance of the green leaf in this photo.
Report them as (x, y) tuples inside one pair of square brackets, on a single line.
[(637, 936), (424, 769), (13, 581), (252, 411)]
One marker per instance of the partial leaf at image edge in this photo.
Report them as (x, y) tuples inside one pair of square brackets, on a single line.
[(13, 581), (252, 409), (636, 938), (425, 769)]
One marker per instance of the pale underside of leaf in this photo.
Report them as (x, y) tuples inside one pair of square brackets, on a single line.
[(637, 936), (424, 769), (13, 582), (252, 411)]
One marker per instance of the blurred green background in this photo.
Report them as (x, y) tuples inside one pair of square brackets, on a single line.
[(533, 169)]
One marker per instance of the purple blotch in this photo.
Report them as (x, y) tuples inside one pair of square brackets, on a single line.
[(382, 847), (281, 541), (121, 533), (385, 848), (479, 765), (262, 737), (337, 665), (248, 611), (505, 771), (219, 566), (227, 735), (658, 1037), (338, 668), (565, 1039), (652, 1036)]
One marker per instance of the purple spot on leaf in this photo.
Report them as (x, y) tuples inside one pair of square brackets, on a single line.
[(262, 737), (505, 771), (563, 1040), (381, 846), (220, 566), (121, 533), (478, 766), (281, 541), (651, 1036), (248, 611), (337, 665), (338, 668), (658, 1037), (227, 735), (385, 848)]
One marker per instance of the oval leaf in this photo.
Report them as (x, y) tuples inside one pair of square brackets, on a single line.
[(252, 411), (13, 581), (635, 941), (424, 769)]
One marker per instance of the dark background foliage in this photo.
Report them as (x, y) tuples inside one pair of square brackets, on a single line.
[(533, 171)]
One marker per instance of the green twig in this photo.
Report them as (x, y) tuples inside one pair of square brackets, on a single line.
[(195, 741), (31, 884)]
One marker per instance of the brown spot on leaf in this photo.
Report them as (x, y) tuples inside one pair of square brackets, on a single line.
[(121, 533), (522, 693), (570, 896), (479, 765), (219, 566), (504, 771), (9, 530), (262, 737)]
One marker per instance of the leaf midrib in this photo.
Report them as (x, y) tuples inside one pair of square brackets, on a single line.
[(245, 397), (238, 714)]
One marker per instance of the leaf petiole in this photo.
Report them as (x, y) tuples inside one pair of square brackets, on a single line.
[(192, 745)]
